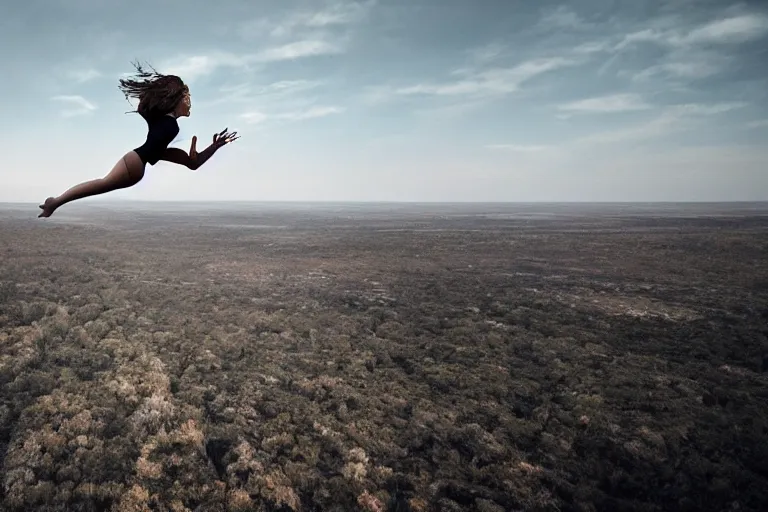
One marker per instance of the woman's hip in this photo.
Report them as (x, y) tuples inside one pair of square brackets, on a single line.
[(134, 165)]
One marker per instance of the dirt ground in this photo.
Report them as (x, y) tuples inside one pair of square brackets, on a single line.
[(384, 358)]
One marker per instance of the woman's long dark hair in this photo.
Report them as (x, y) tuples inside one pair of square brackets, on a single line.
[(158, 94)]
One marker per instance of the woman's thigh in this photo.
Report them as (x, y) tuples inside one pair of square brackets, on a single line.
[(127, 172)]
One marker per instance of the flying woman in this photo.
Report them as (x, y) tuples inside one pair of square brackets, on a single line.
[(162, 100)]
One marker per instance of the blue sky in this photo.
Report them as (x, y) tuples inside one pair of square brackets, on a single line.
[(491, 100)]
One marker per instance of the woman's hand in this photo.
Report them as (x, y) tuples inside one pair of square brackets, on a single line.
[(195, 160), (224, 137), (193, 149)]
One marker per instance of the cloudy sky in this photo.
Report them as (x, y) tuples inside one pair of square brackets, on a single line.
[(405, 100)]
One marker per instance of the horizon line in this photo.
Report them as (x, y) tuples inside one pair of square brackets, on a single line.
[(347, 201)]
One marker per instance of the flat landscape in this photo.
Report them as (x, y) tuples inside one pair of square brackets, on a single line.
[(384, 357)]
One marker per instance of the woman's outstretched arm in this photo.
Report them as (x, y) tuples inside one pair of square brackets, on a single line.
[(194, 160), (179, 156)]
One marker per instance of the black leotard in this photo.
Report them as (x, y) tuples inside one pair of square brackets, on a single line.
[(162, 131)]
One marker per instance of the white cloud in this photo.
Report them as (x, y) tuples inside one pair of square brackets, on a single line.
[(311, 41), (254, 117), (692, 69), (482, 79), (341, 13), (84, 75), (592, 47), (190, 68), (490, 82), (79, 105), (518, 148), (736, 29), (534, 67), (283, 91), (697, 52), (661, 125), (607, 104), (297, 50), (311, 113), (241, 92), (689, 67), (689, 51), (451, 110), (562, 17), (730, 30), (487, 53), (706, 110), (760, 123), (257, 117), (377, 94), (673, 118), (642, 36), (291, 86)]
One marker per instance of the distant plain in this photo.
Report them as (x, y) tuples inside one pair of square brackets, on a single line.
[(299, 356)]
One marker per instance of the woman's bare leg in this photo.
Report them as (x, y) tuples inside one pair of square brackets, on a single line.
[(126, 173)]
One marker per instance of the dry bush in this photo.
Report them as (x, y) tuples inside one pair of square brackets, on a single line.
[(476, 364)]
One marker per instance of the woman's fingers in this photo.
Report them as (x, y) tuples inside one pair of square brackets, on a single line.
[(222, 133), (224, 137), (193, 147)]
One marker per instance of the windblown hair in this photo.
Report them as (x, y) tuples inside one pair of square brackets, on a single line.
[(158, 94)]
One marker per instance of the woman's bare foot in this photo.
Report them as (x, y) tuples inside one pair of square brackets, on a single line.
[(48, 207)]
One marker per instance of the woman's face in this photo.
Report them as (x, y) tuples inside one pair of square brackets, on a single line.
[(185, 105)]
